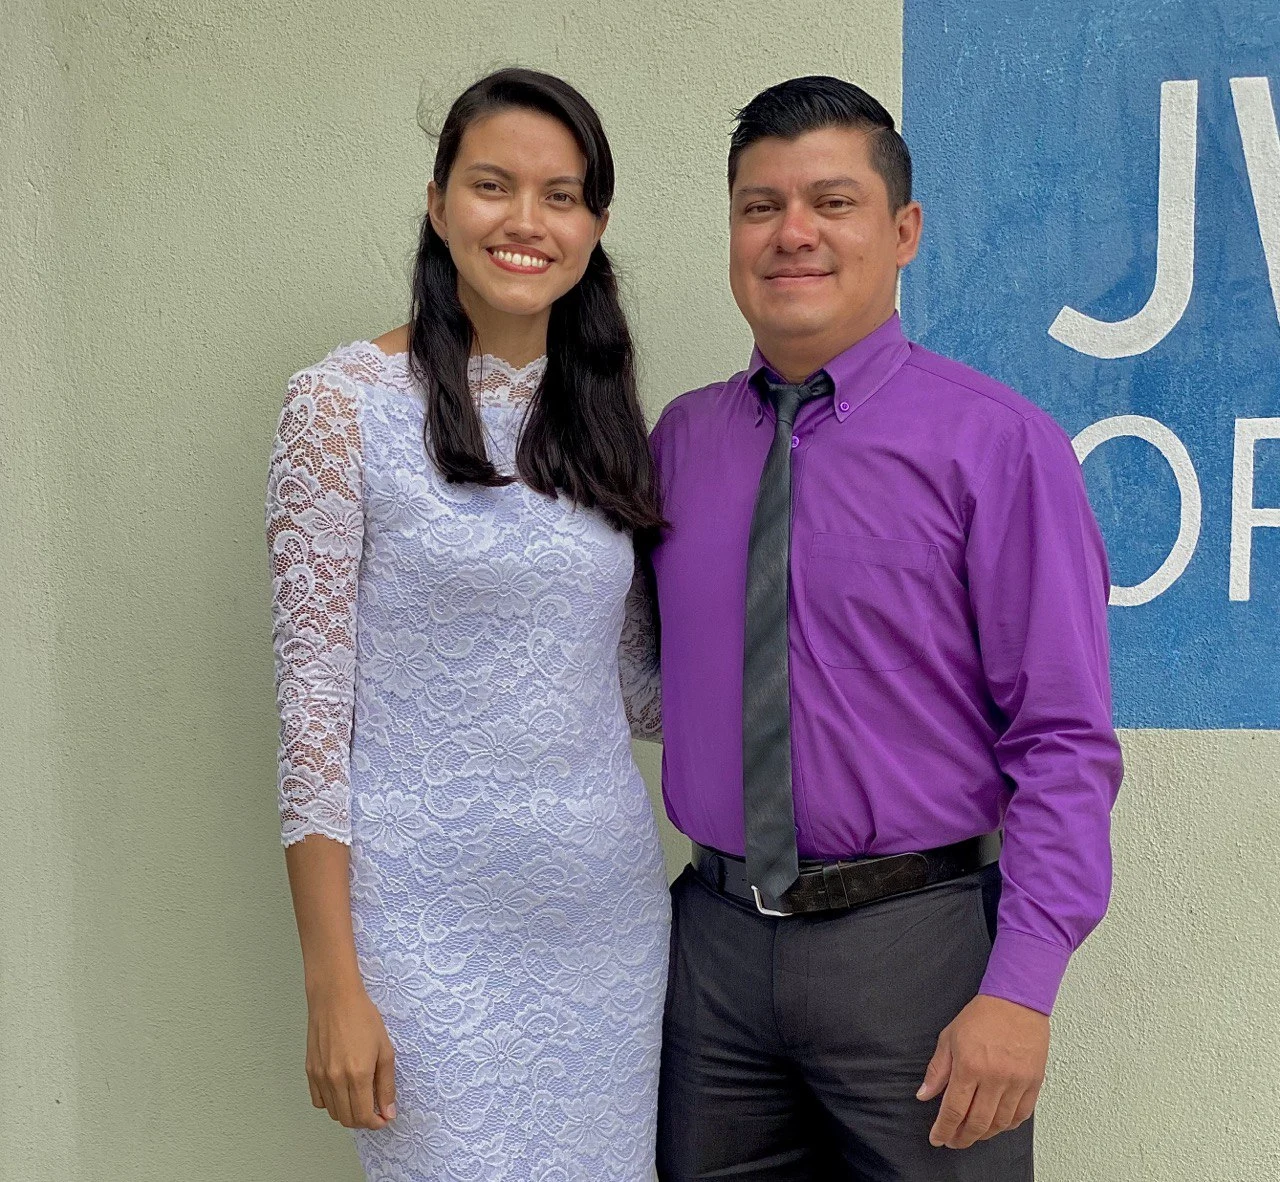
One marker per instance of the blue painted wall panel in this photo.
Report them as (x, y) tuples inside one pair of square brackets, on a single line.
[(1036, 136)]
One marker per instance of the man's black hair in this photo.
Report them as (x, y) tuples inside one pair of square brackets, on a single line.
[(801, 105)]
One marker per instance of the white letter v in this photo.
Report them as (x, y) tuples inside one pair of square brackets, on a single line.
[(1257, 119)]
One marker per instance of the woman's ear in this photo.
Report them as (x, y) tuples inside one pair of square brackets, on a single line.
[(603, 221), (435, 211)]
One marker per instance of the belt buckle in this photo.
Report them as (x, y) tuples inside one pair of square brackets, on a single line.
[(760, 907)]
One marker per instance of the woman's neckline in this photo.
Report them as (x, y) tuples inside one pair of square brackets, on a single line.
[(402, 355), (493, 379)]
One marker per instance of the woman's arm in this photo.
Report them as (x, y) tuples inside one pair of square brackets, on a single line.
[(314, 536), (350, 1063), (638, 658)]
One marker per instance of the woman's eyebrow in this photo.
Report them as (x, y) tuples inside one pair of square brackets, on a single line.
[(507, 175), (497, 170)]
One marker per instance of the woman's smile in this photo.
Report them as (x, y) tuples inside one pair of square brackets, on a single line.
[(521, 260)]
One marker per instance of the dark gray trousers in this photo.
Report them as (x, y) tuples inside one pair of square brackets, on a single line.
[(793, 1048)]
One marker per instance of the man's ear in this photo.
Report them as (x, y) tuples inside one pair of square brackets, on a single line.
[(910, 222)]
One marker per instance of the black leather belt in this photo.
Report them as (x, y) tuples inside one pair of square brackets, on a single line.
[(836, 886)]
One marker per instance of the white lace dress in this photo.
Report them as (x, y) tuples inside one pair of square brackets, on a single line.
[(448, 680)]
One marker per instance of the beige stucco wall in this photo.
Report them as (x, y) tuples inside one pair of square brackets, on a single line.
[(198, 198)]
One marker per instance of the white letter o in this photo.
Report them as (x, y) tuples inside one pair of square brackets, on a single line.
[(1177, 457)]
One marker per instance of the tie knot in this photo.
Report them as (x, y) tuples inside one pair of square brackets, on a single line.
[(788, 399)]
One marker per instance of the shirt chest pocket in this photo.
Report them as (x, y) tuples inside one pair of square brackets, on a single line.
[(866, 600)]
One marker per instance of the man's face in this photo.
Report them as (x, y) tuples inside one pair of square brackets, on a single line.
[(814, 249)]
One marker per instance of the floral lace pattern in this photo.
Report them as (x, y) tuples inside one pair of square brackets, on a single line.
[(451, 700), (638, 658), (315, 530), (495, 383)]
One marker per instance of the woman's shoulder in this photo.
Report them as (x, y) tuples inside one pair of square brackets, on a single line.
[(357, 368), (393, 343)]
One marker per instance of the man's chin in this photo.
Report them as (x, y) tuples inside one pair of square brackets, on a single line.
[(794, 324)]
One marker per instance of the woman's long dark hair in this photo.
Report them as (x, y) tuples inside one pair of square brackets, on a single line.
[(584, 434)]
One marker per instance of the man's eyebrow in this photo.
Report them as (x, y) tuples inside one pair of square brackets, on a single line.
[(837, 182), (509, 176), (756, 191), (831, 182)]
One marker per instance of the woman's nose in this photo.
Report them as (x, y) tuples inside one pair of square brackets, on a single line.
[(523, 217)]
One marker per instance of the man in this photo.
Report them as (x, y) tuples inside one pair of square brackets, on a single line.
[(883, 600)]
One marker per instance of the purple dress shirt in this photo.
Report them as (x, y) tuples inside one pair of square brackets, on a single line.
[(948, 634)]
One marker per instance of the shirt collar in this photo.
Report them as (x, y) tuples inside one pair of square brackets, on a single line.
[(857, 373)]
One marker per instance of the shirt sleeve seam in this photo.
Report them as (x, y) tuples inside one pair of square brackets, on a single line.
[(988, 465), (1030, 411), (1002, 930)]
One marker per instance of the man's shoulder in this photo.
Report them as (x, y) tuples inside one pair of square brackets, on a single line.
[(947, 378), (984, 408), (699, 403)]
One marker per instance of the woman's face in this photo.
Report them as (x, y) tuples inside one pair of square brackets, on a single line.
[(513, 214)]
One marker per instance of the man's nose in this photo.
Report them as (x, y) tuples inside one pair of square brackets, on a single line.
[(798, 229)]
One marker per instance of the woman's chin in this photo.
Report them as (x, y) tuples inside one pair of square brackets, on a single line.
[(525, 295), (520, 303)]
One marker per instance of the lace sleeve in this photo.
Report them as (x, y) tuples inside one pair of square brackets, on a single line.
[(315, 531), (638, 661)]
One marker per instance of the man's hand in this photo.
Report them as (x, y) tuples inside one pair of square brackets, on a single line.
[(991, 1061)]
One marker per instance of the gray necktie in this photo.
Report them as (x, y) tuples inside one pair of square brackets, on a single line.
[(772, 862)]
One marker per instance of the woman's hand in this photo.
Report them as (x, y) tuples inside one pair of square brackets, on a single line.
[(350, 1063), (350, 1060)]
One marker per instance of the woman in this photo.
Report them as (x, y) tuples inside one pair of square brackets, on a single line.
[(474, 864)]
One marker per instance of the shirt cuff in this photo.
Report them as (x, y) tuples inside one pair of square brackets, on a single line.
[(1025, 969)]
